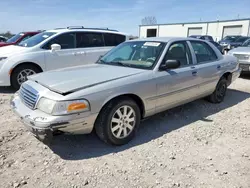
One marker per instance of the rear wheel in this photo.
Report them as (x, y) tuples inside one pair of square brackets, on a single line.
[(20, 74), (219, 94), (118, 121)]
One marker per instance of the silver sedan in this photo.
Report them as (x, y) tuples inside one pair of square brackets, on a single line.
[(137, 79)]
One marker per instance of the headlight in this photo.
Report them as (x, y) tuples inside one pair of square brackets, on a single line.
[(62, 107), (3, 58), (229, 46)]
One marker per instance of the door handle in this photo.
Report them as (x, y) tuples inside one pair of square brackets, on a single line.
[(193, 67), (194, 73), (218, 67)]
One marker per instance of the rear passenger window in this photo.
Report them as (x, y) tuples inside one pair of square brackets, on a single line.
[(204, 53), (88, 40), (113, 39)]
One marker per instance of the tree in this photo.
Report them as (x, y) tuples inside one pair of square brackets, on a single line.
[(149, 20)]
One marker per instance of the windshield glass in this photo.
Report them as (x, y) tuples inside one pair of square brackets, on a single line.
[(241, 39), (230, 38), (36, 39), (136, 54), (15, 38), (247, 43)]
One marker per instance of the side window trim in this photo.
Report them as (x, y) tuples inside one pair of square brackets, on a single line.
[(189, 50)]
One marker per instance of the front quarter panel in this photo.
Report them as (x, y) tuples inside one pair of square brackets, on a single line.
[(142, 85)]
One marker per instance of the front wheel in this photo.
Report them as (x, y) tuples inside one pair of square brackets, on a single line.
[(118, 121), (20, 74), (220, 91)]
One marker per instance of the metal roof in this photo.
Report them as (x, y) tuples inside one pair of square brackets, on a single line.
[(203, 22)]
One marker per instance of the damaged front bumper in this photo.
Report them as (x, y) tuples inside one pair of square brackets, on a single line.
[(43, 126)]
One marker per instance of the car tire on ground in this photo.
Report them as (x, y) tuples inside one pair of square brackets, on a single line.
[(118, 121), (220, 91), (19, 74)]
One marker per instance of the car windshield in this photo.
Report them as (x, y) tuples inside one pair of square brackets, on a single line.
[(230, 38), (36, 39), (15, 38), (241, 39), (136, 54), (246, 43)]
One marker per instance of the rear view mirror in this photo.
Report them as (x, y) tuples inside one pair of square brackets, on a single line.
[(170, 64), (55, 47)]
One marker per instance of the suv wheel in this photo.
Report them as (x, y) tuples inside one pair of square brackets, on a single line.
[(20, 74), (218, 95), (118, 121)]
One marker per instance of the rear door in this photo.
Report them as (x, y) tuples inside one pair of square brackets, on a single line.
[(209, 67), (177, 86)]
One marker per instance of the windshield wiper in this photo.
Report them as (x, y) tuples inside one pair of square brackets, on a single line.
[(120, 63)]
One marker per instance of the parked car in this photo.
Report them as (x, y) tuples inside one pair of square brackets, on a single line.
[(16, 39), (135, 80), (238, 42), (226, 41), (203, 37), (210, 39), (243, 55), (3, 39), (55, 49)]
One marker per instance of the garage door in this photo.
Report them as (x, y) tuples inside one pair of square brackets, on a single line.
[(194, 31), (232, 30)]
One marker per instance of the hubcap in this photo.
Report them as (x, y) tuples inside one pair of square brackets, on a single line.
[(123, 122), (22, 76)]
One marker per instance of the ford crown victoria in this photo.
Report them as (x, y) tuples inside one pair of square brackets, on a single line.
[(134, 80)]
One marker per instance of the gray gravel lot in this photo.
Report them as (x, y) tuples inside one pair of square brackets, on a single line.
[(195, 145)]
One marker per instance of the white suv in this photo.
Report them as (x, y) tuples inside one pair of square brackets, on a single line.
[(54, 49)]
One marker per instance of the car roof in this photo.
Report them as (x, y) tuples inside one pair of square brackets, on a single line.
[(63, 30), (165, 39)]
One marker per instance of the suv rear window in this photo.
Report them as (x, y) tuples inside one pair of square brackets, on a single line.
[(113, 39)]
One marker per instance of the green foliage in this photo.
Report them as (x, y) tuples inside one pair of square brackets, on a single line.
[(7, 34)]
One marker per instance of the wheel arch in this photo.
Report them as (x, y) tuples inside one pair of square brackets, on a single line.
[(26, 63), (132, 96), (228, 76)]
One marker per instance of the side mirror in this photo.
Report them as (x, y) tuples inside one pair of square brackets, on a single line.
[(55, 47), (170, 64)]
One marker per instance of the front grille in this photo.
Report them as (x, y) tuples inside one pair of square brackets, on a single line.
[(28, 95), (242, 57)]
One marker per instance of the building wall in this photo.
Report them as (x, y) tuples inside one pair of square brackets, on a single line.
[(214, 29)]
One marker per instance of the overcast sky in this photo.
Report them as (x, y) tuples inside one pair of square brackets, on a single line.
[(124, 15)]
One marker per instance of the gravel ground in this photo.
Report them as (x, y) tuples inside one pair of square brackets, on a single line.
[(195, 145)]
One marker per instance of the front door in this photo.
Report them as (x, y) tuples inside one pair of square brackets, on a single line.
[(68, 56), (177, 86)]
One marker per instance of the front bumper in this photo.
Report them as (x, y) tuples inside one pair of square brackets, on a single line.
[(42, 124)]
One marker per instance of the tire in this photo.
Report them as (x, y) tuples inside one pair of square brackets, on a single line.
[(19, 70), (220, 92), (109, 118)]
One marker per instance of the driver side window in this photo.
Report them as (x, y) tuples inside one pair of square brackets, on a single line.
[(66, 41), (179, 51)]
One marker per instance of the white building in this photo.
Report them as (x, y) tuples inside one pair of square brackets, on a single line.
[(217, 29)]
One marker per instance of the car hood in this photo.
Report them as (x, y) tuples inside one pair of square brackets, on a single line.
[(241, 50), (73, 79), (11, 50)]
